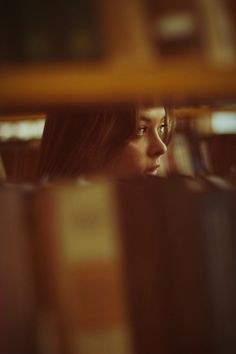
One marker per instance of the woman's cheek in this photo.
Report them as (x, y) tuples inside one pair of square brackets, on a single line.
[(137, 148), (135, 153)]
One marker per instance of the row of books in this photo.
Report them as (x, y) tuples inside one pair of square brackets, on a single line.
[(144, 265), (204, 143), (82, 31), (38, 31), (190, 154)]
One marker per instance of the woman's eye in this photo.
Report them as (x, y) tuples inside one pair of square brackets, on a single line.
[(163, 129), (141, 131)]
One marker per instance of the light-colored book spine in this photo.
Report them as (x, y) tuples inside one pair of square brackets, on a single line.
[(80, 236), (218, 32)]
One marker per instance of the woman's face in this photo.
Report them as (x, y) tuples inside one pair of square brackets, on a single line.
[(141, 154)]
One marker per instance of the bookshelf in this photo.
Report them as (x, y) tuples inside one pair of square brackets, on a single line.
[(138, 59)]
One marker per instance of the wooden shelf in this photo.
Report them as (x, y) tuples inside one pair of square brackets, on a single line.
[(64, 85)]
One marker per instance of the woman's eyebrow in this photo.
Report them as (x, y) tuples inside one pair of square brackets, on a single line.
[(149, 119), (145, 119)]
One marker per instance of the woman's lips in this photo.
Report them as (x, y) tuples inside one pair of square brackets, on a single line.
[(152, 170)]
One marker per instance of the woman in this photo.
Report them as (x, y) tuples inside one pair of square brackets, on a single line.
[(114, 142)]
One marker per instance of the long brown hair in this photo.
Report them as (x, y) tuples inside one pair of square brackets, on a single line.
[(84, 140)]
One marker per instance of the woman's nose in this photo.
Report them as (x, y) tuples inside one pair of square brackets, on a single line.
[(157, 147)]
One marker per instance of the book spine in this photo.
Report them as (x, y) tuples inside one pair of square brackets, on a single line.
[(146, 269), (218, 226), (85, 276), (175, 28), (82, 31), (17, 301), (37, 28), (190, 322), (219, 36), (9, 32)]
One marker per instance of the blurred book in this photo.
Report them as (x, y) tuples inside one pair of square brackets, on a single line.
[(180, 157), (2, 170), (191, 319), (219, 31), (81, 270), (17, 299), (217, 218), (175, 27), (142, 225)]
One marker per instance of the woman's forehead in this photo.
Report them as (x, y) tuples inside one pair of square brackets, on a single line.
[(152, 113)]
